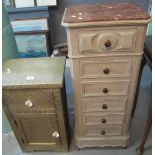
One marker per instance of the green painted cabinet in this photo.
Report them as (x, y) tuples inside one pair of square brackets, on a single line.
[(34, 101)]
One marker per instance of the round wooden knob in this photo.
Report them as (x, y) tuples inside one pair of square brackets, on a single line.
[(104, 106), (107, 43), (106, 71), (103, 120), (105, 90), (103, 132)]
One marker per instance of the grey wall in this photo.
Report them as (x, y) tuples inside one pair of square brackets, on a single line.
[(59, 33)]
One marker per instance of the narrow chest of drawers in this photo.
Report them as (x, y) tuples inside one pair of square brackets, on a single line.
[(35, 103), (105, 47)]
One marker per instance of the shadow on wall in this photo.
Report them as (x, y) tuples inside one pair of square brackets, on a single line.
[(56, 14)]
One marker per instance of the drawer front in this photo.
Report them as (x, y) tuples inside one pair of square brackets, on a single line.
[(105, 68), (27, 100), (100, 104), (105, 88), (96, 40), (103, 131), (111, 118)]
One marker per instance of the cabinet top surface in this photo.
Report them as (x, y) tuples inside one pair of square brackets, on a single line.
[(33, 73), (104, 12)]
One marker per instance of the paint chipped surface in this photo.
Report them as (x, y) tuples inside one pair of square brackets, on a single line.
[(104, 12)]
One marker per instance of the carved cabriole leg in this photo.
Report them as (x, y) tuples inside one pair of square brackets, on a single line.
[(140, 149)]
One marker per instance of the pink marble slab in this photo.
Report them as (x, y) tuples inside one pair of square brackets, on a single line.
[(104, 12)]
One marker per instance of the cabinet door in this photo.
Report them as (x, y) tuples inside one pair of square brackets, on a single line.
[(38, 131)]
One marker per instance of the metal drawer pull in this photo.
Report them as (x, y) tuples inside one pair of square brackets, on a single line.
[(55, 134), (28, 103), (105, 90), (103, 132), (107, 43), (103, 120), (106, 71), (104, 106)]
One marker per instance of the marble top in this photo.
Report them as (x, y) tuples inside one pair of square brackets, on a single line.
[(33, 73), (104, 12)]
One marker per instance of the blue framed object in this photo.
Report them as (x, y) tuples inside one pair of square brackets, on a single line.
[(33, 45), (31, 37)]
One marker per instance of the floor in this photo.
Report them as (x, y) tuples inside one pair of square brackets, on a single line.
[(10, 146)]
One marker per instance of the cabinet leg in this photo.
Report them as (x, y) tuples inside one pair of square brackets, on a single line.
[(140, 149)]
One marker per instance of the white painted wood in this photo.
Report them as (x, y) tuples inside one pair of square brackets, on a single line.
[(109, 118), (95, 104), (94, 40), (73, 37), (96, 131), (105, 141), (95, 88), (95, 69), (88, 57)]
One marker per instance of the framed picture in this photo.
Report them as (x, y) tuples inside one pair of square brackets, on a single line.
[(46, 2), (32, 37), (30, 25), (23, 3), (33, 3), (33, 45)]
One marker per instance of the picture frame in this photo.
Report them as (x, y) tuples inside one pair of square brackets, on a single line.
[(32, 37), (33, 3), (32, 45)]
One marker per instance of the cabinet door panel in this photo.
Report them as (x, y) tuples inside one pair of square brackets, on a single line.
[(38, 131)]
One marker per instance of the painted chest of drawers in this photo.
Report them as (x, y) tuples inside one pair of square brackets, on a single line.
[(35, 103), (105, 47)]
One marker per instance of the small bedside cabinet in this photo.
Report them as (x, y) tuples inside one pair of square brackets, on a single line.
[(105, 47), (34, 101)]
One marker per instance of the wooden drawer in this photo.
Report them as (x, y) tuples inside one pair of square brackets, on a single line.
[(102, 119), (28, 99), (100, 104), (104, 40), (103, 130), (105, 88), (105, 68)]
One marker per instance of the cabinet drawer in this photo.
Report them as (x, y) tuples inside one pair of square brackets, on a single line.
[(25, 100), (105, 88), (104, 40), (105, 68), (96, 119), (100, 104), (103, 130)]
